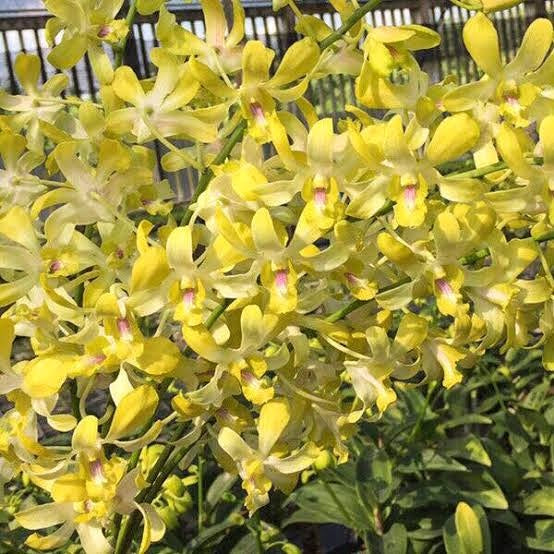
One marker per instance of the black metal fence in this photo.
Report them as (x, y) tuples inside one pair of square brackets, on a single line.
[(23, 30)]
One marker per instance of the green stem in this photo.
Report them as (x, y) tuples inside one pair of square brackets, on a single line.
[(486, 170), (200, 485), (419, 422), (349, 23), (120, 48), (207, 174), (162, 468)]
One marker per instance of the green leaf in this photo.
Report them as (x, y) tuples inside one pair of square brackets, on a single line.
[(396, 540), (544, 536), (469, 447), (507, 422), (536, 397), (485, 530), (424, 495), (479, 487), (466, 419), (503, 468), (374, 476), (429, 460), (540, 502), (452, 542), (467, 532), (328, 503)]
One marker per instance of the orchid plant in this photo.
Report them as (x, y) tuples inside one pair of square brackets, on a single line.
[(282, 305)]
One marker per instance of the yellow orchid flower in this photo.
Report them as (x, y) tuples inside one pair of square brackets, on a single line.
[(513, 87), (220, 50), (389, 48), (37, 105), (91, 193), (456, 234), (406, 174), (370, 374), (263, 468), (18, 185), (86, 26), (259, 91), (157, 111)]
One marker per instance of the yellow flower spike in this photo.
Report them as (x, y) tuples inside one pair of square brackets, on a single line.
[(133, 411)]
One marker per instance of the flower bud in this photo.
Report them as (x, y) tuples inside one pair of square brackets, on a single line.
[(324, 460)]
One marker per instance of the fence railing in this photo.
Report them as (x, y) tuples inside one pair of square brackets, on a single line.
[(23, 31)]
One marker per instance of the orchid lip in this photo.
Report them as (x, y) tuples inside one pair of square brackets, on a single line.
[(124, 327), (281, 280), (410, 196), (257, 111), (444, 287), (56, 265), (96, 470), (248, 377), (320, 197), (104, 31), (351, 278), (189, 297)]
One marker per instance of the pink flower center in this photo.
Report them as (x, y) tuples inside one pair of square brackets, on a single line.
[(444, 287), (188, 298), (96, 471), (124, 328), (248, 377), (320, 197), (410, 196), (56, 265), (281, 280), (104, 31), (351, 278), (224, 414), (97, 359), (258, 112)]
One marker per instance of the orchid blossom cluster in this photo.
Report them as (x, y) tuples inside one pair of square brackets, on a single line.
[(321, 264)]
